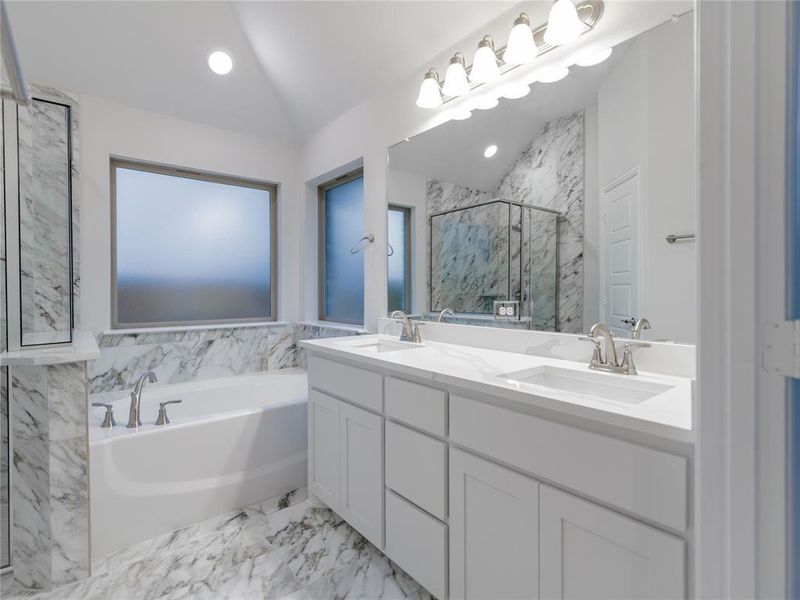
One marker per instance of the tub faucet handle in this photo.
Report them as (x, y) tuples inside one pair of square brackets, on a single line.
[(163, 419), (108, 419)]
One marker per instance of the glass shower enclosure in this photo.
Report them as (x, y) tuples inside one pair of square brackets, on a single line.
[(495, 250)]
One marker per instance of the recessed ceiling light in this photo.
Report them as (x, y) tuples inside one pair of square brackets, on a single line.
[(490, 151), (220, 62)]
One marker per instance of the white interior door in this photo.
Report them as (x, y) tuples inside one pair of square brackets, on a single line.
[(620, 253)]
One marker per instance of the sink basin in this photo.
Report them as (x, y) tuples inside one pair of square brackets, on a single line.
[(385, 346), (590, 384)]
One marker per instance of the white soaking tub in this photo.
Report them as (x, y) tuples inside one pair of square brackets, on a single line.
[(230, 443)]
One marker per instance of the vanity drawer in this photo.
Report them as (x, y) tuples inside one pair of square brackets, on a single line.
[(644, 481), (417, 405), (349, 383), (416, 468), (416, 542)]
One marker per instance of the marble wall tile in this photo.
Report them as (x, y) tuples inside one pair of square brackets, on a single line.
[(50, 480)]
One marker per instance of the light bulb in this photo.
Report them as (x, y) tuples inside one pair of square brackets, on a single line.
[(484, 64), (516, 90), (430, 96), (589, 59), (552, 74), (220, 62), (520, 48), (563, 25), (490, 151), (455, 78)]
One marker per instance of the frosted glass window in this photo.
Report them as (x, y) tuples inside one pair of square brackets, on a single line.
[(398, 263), (343, 208), (191, 249)]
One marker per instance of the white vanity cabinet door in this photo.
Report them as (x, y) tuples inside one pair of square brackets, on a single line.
[(361, 471), (588, 551), (494, 531), (323, 447)]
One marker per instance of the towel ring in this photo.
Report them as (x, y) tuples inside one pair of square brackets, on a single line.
[(369, 238)]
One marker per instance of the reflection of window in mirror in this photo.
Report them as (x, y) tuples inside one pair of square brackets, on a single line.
[(341, 253), (399, 261)]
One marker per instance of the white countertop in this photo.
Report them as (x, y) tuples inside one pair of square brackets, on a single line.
[(667, 414), (83, 347)]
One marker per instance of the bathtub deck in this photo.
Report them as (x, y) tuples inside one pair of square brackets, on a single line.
[(297, 552)]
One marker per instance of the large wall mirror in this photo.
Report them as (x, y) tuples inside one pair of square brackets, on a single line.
[(575, 202)]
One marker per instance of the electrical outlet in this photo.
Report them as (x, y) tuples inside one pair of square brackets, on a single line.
[(506, 310)]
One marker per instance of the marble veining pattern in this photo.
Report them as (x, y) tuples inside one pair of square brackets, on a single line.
[(194, 354), (50, 492), (298, 552)]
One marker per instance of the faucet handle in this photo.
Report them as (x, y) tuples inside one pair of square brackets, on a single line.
[(108, 419), (163, 419), (627, 366), (417, 336), (597, 355)]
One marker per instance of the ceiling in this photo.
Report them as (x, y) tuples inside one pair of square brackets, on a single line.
[(298, 65), (454, 151)]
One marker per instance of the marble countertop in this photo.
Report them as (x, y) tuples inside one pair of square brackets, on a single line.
[(83, 347), (667, 415)]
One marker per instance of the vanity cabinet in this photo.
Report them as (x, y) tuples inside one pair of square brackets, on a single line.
[(494, 530), (476, 500)]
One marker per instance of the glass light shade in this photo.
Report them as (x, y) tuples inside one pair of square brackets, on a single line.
[(516, 90), (552, 74), (455, 78), (593, 58), (520, 48), (563, 25), (484, 64), (220, 62), (430, 96)]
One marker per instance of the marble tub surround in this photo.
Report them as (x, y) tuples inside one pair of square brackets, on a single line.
[(50, 479), (298, 553), (82, 348), (178, 354), (666, 415), (679, 360)]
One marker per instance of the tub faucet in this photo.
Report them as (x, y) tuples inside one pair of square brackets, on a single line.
[(446, 312), (135, 418)]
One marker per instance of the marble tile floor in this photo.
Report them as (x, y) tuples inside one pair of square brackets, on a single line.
[(295, 553)]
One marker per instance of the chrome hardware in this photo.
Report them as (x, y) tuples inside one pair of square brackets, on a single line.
[(608, 361), (446, 312), (163, 419), (410, 331), (639, 326), (672, 238), (135, 415), (108, 419)]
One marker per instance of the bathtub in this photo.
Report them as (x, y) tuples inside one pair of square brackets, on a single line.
[(230, 443)]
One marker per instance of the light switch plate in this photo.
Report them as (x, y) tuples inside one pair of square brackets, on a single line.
[(506, 310)]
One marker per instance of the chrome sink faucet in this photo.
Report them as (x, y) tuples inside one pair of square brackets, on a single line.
[(410, 331), (607, 360), (135, 418), (446, 312)]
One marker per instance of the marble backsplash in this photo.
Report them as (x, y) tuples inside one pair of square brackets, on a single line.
[(202, 353)]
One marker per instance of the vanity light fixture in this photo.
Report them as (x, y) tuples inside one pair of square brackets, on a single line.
[(563, 25), (552, 74), (484, 65), (430, 95), (455, 78), (490, 151), (589, 59), (220, 62), (521, 48), (516, 90)]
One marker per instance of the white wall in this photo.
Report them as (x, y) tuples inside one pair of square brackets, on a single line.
[(646, 120), (365, 132), (108, 128)]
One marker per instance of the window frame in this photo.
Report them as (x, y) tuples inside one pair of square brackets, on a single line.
[(321, 190), (407, 293), (116, 162)]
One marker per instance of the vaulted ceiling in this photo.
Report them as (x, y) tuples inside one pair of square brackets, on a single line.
[(298, 65)]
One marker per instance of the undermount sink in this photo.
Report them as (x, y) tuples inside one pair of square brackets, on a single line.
[(590, 384), (385, 346)]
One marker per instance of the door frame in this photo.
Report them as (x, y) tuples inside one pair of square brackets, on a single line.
[(741, 508)]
